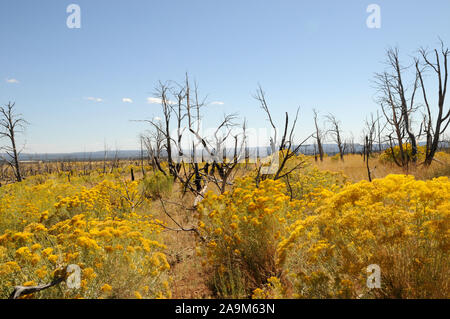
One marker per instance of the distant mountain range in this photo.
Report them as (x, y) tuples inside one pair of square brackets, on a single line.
[(330, 149), (307, 149)]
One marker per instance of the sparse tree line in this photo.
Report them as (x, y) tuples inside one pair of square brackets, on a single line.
[(412, 106), (404, 91), (413, 110), (226, 148), (70, 167), (11, 124), (372, 139)]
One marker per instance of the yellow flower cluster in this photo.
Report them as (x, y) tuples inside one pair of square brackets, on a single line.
[(396, 222), (117, 248), (107, 198), (308, 183), (31, 201), (319, 235), (242, 230), (388, 155)]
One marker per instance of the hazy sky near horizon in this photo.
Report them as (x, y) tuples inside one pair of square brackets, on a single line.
[(80, 88)]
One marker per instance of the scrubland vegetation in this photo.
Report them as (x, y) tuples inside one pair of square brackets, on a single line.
[(232, 225), (311, 239)]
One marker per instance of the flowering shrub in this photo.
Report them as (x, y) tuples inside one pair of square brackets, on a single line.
[(157, 184), (443, 156), (397, 223), (97, 228), (335, 157), (243, 227), (309, 181), (388, 156), (309, 235), (319, 244), (242, 230), (31, 201)]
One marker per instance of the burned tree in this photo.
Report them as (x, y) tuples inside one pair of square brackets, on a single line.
[(370, 133), (398, 105), (318, 136), (367, 151), (154, 143), (336, 133), (439, 67), (11, 124), (397, 100), (287, 148), (379, 131), (177, 135), (351, 144), (224, 165)]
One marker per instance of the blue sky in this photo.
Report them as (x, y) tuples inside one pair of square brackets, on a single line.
[(315, 54)]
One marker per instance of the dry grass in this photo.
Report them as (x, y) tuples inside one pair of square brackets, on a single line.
[(189, 277), (355, 168)]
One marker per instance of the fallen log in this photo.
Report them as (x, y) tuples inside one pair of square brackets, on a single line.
[(59, 276), (26, 290)]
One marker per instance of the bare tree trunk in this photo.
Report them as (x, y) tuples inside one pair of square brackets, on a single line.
[(16, 157), (318, 136), (336, 131), (10, 124), (443, 118), (367, 158)]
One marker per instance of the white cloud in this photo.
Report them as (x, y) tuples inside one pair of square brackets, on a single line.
[(127, 100), (95, 99), (157, 100), (153, 100), (12, 80), (217, 103), (157, 118)]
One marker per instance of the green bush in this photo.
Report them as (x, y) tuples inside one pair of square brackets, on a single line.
[(156, 185)]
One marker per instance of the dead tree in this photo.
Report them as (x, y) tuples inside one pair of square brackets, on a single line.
[(180, 105), (370, 133), (163, 93), (105, 157), (394, 118), (141, 153), (217, 152), (406, 110), (154, 143), (351, 144), (318, 136), (159, 136), (116, 160), (367, 149), (287, 148), (397, 104), (379, 132), (434, 129), (336, 132), (12, 124)]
